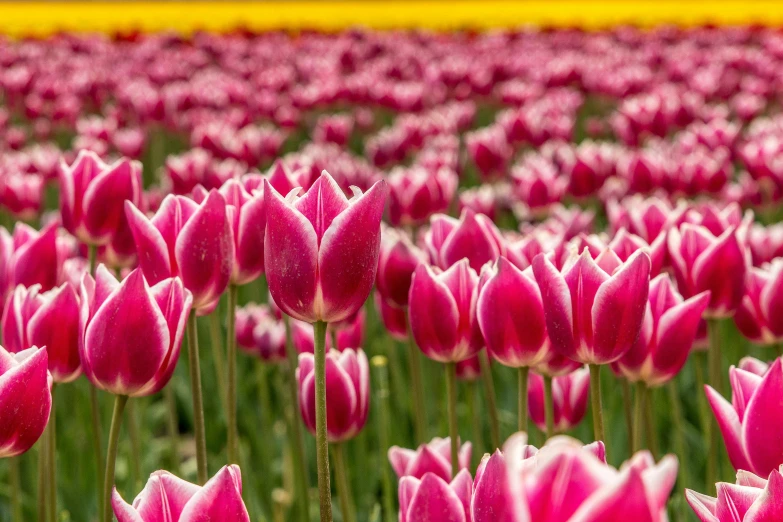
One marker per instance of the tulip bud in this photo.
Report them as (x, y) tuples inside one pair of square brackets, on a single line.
[(166, 497), (432, 498), (667, 335), (188, 240), (50, 319), (752, 498), (92, 196), (321, 249), (25, 399), (434, 457), (347, 392), (130, 333), (443, 312), (593, 315)]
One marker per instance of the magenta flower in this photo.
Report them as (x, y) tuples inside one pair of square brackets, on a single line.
[(751, 421), (443, 312), (25, 399), (668, 332), (751, 499), (759, 316), (472, 236), (171, 499), (511, 315), (593, 316), (347, 392), (321, 249), (432, 498), (49, 319), (395, 319), (569, 398), (397, 261), (92, 196), (433, 457), (702, 261), (131, 333), (185, 239), (35, 258), (260, 333)]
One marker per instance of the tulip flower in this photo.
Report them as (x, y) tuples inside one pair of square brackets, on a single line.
[(592, 316), (35, 258), (433, 457), (416, 193), (188, 240), (49, 319), (469, 369), (433, 498), (760, 314), (166, 497), (347, 392), (394, 319), (667, 334), (397, 260), (752, 499), (321, 249), (260, 333), (473, 236), (569, 400), (750, 421), (92, 196), (25, 399)]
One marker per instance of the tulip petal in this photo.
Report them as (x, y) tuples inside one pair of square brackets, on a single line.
[(322, 203), (721, 269), (341, 394), (290, 257), (768, 506), (124, 511), (400, 458), (434, 316), (763, 446), (677, 330), (102, 204), (56, 326), (734, 501), (730, 427), (220, 500), (702, 505), (348, 255), (164, 497), (491, 502), (557, 305), (626, 499), (249, 243), (151, 248), (435, 501), (36, 262)]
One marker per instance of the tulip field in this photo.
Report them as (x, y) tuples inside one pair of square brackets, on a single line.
[(375, 276)]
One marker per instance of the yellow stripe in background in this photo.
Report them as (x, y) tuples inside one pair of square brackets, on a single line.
[(44, 18)]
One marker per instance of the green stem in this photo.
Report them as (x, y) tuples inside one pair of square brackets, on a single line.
[(16, 489), (705, 415), (595, 400), (379, 363), (451, 396), (51, 461), (92, 256), (638, 416), (135, 444), (628, 410), (321, 443), (652, 435), (489, 396), (267, 427), (172, 426), (111, 455), (218, 357), (343, 485), (522, 377), (297, 444), (417, 394), (198, 404), (476, 420), (231, 393), (549, 407), (42, 482), (716, 378), (679, 433)]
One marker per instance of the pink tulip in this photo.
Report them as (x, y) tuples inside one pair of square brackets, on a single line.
[(433, 499), (569, 398), (702, 261), (594, 316), (565, 482), (171, 499), (21, 195), (347, 392), (511, 315), (397, 261), (760, 315), (668, 332), (35, 258), (469, 369), (321, 249), (185, 239), (50, 319), (443, 312), (92, 194), (751, 499), (131, 333), (649, 218), (25, 399), (434, 457), (260, 333), (537, 185), (348, 333), (750, 422), (395, 319), (473, 236), (624, 244), (417, 193), (481, 200), (247, 215)]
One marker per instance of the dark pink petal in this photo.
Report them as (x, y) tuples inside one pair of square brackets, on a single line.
[(36, 262), (322, 203), (721, 269), (462, 485), (56, 326), (618, 309), (164, 497), (762, 422), (743, 386), (469, 240), (676, 333), (702, 505), (249, 241), (434, 316), (556, 297), (491, 502), (429, 461), (435, 501), (730, 427), (290, 257), (624, 500), (342, 399), (104, 198), (348, 255), (769, 505), (151, 249), (734, 501), (220, 500)]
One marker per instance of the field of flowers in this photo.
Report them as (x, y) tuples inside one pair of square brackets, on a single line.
[(512, 276)]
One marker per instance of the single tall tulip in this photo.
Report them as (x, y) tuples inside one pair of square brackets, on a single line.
[(166, 497), (25, 399), (752, 498)]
